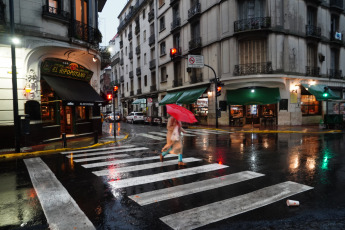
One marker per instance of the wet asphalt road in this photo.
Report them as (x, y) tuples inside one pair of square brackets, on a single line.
[(316, 160)]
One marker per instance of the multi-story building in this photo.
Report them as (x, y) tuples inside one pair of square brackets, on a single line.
[(58, 65), (280, 61)]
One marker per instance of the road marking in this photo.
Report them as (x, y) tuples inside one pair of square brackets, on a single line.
[(106, 152), (60, 209), (164, 134), (191, 188), (99, 149), (211, 213), (213, 131), (116, 170), (151, 136), (107, 163), (101, 157), (194, 132), (165, 176)]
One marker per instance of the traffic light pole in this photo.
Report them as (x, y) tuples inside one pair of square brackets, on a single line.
[(215, 92), (114, 117)]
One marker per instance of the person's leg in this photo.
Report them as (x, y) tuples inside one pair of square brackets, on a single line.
[(163, 154)]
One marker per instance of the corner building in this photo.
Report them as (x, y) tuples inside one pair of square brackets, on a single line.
[(280, 61)]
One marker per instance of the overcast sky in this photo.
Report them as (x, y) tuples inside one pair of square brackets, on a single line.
[(108, 21)]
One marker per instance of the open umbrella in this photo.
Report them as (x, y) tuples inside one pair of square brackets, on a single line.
[(180, 113)]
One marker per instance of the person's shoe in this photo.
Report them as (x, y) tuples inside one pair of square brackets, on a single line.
[(181, 163), (161, 157)]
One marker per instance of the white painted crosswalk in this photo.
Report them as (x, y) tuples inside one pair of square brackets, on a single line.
[(106, 152), (97, 149)]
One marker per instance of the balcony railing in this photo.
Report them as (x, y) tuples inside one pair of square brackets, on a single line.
[(121, 44), (130, 36), (153, 88), (138, 71), (130, 55), (172, 2), (177, 82), (312, 71), (313, 31), (195, 43), (194, 11), (139, 91), (253, 68), (137, 50), (137, 29), (131, 93), (196, 78), (176, 23), (337, 4), (152, 39), (152, 64), (84, 32), (122, 79), (252, 24), (151, 15), (335, 73), (56, 13), (131, 74)]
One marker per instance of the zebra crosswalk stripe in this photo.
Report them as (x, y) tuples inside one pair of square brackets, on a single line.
[(164, 176), (143, 166), (106, 152), (101, 157), (115, 162), (97, 149), (191, 188), (151, 136), (217, 211)]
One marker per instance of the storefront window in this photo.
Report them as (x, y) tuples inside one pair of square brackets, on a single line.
[(81, 113), (236, 111), (309, 105), (268, 110), (252, 111), (200, 107)]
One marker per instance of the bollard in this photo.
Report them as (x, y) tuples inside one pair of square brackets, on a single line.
[(96, 136), (64, 140)]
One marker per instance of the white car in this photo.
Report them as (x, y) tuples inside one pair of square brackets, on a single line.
[(135, 117)]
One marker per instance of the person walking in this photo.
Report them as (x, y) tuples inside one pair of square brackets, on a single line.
[(174, 140)]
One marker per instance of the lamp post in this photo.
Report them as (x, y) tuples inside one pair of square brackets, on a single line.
[(14, 83)]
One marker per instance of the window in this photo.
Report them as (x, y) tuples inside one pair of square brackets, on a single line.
[(81, 11), (251, 9), (144, 13), (144, 34), (309, 105), (126, 50), (145, 80), (80, 113), (54, 6), (126, 68), (162, 23), (163, 48), (161, 3), (127, 86), (311, 55), (145, 61), (163, 74), (253, 51)]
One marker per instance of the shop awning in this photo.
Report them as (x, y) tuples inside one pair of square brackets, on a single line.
[(319, 90), (259, 96), (73, 92), (187, 96), (139, 101)]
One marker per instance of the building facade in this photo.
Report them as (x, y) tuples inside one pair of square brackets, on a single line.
[(280, 61), (58, 67)]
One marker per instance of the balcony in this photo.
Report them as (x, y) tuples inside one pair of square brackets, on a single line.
[(151, 15), (130, 36), (121, 61), (137, 30), (195, 44), (152, 64), (130, 55), (337, 5), (312, 71), (139, 91), (313, 31), (152, 40), (84, 32), (196, 78), (138, 71), (55, 13), (122, 79), (153, 88), (336, 37), (253, 68), (137, 50), (131, 93), (177, 82), (250, 24), (130, 74), (335, 73), (194, 11), (121, 44), (176, 24), (105, 57), (172, 2)]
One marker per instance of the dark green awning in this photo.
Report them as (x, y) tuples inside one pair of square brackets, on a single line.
[(318, 91), (171, 98), (260, 96), (190, 96)]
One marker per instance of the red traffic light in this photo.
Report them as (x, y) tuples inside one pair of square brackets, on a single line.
[(109, 96), (173, 52), (116, 88), (219, 88)]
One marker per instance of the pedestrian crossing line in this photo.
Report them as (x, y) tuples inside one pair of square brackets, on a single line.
[(192, 132), (131, 160), (98, 149), (164, 134), (217, 211), (60, 209), (101, 157), (165, 176), (191, 188), (151, 136), (106, 152), (144, 166), (201, 132), (213, 131)]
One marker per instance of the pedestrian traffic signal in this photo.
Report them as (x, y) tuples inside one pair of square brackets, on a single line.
[(325, 92), (173, 53), (219, 88)]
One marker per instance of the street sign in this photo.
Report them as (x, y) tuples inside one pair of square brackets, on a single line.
[(195, 61)]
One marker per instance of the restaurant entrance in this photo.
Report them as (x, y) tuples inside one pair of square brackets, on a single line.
[(263, 115), (66, 122)]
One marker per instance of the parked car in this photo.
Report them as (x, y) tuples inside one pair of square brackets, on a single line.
[(135, 117), (110, 117)]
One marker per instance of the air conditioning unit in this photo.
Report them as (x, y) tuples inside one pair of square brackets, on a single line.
[(338, 36)]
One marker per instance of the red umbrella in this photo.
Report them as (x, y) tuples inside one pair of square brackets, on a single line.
[(180, 113)]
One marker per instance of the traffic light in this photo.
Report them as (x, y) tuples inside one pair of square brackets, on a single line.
[(115, 89), (325, 92), (173, 53), (109, 96), (219, 88)]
